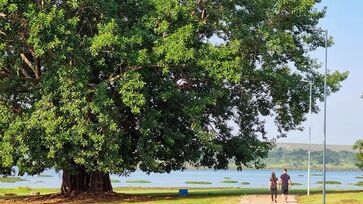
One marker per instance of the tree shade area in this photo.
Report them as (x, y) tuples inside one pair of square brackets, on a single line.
[(96, 87)]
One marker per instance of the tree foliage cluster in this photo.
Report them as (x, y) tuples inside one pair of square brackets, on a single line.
[(93, 87), (358, 146)]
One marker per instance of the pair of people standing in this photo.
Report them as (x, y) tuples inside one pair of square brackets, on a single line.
[(284, 182)]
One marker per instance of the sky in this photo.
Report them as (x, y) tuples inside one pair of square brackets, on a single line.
[(344, 21)]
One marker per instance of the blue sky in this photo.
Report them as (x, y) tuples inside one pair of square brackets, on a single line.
[(344, 20)]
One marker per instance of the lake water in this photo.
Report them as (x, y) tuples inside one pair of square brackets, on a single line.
[(256, 178)]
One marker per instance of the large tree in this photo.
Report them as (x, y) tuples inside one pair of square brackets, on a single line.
[(358, 147), (93, 87)]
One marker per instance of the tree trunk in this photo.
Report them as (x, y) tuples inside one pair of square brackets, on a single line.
[(81, 181)]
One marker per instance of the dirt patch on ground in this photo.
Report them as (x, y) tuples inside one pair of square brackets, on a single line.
[(263, 199)]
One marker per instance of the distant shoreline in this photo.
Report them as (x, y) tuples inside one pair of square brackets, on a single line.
[(276, 169), (315, 147)]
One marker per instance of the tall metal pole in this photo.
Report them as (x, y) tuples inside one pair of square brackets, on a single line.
[(325, 96), (309, 154), (309, 148)]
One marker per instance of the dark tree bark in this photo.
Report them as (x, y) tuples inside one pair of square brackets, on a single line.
[(81, 181)]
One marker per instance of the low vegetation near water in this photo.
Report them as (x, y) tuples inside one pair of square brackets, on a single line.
[(229, 181), (44, 175), (245, 183), (115, 181), (11, 179), (330, 182), (138, 181), (198, 182), (296, 184), (360, 183)]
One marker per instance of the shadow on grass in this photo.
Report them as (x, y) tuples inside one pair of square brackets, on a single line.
[(118, 198)]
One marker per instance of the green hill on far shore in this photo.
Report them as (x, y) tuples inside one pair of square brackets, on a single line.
[(295, 156), (314, 147)]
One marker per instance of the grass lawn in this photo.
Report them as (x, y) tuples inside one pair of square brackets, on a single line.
[(148, 195), (193, 200), (170, 195), (333, 198), (26, 191)]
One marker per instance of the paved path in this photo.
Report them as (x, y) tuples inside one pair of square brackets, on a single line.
[(265, 199)]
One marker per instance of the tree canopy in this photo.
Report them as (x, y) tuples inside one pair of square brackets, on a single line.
[(358, 146), (110, 86)]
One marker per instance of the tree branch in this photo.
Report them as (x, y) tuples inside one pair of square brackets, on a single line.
[(25, 73), (215, 131), (26, 60), (37, 67), (7, 73), (4, 72), (116, 77), (36, 70)]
